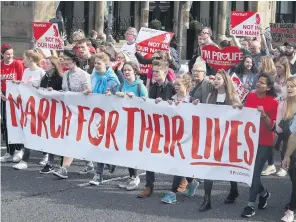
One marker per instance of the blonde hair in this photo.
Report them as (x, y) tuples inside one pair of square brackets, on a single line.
[(79, 33), (284, 62), (231, 95), (186, 81), (289, 101), (103, 57), (35, 55), (132, 30), (125, 55), (267, 65)]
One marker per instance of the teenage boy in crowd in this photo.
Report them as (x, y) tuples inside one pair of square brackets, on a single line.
[(161, 90), (87, 59)]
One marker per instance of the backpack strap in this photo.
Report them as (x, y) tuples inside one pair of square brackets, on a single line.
[(120, 87), (139, 86)]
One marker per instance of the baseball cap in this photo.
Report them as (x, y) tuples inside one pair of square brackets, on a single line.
[(289, 44)]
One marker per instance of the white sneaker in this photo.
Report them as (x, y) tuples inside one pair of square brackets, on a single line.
[(17, 156), (269, 170), (134, 183), (125, 184), (21, 165), (282, 173), (43, 162), (96, 180), (6, 158), (289, 216)]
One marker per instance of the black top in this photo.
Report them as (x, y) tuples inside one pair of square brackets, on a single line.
[(54, 82), (88, 64), (165, 91)]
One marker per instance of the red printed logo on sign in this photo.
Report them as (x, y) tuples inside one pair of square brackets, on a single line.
[(257, 19), (221, 59)]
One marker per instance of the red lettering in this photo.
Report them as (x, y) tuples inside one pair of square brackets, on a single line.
[(54, 133), (111, 128), (81, 120), (130, 126), (177, 135), (207, 152), (65, 120), (42, 117), (157, 134), (30, 110), (195, 137), (250, 143), (218, 148), (145, 128), (167, 134), (13, 105), (100, 127), (233, 141)]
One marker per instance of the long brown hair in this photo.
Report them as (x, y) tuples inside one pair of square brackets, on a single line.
[(284, 62), (229, 89), (56, 64), (267, 65), (290, 101)]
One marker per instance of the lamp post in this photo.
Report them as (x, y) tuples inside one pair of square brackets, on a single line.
[(32, 42)]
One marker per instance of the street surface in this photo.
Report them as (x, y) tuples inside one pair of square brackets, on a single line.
[(29, 196)]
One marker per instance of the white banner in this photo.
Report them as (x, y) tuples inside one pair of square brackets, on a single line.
[(186, 140)]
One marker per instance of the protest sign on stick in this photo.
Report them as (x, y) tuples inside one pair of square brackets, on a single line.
[(221, 58), (150, 40), (185, 140), (47, 36), (239, 87), (283, 32), (245, 23)]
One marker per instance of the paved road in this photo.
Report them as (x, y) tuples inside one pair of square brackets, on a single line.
[(32, 197)]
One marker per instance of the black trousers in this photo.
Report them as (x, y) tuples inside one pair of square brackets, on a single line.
[(208, 185), (292, 174), (177, 181), (9, 147)]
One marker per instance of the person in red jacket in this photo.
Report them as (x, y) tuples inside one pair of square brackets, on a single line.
[(11, 69), (264, 100)]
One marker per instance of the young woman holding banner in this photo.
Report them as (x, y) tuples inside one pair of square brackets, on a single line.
[(132, 86), (74, 80), (103, 80), (263, 99), (52, 80), (32, 75), (223, 94), (11, 69), (182, 86)]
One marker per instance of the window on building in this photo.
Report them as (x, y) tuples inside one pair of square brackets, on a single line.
[(286, 11)]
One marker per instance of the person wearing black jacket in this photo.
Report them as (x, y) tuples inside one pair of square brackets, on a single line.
[(52, 80), (161, 90)]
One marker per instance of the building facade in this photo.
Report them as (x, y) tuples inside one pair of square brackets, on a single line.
[(17, 17)]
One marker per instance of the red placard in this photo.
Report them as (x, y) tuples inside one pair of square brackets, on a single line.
[(245, 23), (221, 58)]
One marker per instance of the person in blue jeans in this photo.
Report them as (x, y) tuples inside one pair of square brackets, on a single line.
[(103, 80), (131, 87)]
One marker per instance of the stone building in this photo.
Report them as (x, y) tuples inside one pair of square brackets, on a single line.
[(16, 17)]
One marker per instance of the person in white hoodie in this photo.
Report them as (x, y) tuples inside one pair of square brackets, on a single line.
[(32, 75)]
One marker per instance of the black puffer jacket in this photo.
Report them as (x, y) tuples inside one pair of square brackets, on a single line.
[(54, 82)]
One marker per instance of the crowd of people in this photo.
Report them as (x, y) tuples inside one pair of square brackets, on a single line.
[(95, 66)]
